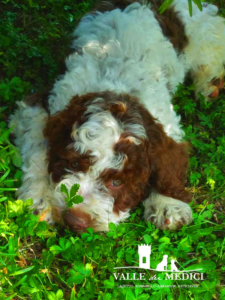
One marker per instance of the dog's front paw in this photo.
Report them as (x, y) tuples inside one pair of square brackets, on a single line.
[(45, 214), (167, 213), (43, 208), (41, 200)]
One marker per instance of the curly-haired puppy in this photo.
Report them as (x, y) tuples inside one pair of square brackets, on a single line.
[(109, 124)]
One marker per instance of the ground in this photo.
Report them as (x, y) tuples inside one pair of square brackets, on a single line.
[(38, 262)]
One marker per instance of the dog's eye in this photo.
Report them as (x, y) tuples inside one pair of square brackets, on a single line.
[(74, 165), (116, 182)]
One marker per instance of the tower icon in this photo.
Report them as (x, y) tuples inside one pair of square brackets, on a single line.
[(144, 252)]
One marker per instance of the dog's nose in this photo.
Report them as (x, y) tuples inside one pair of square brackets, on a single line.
[(76, 221)]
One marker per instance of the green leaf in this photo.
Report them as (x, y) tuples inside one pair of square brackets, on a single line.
[(56, 249), (184, 245), (74, 189), (72, 295), (208, 296), (203, 266), (21, 271), (147, 238), (164, 240), (84, 270), (15, 208), (16, 158), (64, 190), (59, 295), (3, 199), (4, 175), (79, 272), (109, 283), (206, 231), (64, 243), (72, 198), (19, 282), (7, 254), (10, 297), (181, 296), (164, 6), (208, 285), (5, 135), (77, 278), (190, 7), (51, 241), (75, 200), (29, 290), (51, 296), (90, 230), (198, 3), (107, 296), (128, 294)]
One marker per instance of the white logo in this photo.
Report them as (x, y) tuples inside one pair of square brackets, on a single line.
[(144, 252)]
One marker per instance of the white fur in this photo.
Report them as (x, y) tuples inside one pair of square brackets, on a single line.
[(28, 124), (159, 208)]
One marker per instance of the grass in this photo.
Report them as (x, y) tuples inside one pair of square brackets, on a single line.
[(38, 262)]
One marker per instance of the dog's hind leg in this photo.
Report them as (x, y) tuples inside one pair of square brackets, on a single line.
[(28, 125), (204, 55)]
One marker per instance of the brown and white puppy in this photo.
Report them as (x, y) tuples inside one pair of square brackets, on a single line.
[(109, 124)]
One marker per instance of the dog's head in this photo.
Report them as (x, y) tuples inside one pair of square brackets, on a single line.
[(116, 151)]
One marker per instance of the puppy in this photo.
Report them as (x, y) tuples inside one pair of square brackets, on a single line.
[(109, 124)]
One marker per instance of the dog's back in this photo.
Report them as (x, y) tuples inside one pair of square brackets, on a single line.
[(123, 51)]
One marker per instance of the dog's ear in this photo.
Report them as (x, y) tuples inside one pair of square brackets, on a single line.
[(169, 163), (38, 99), (58, 131), (58, 136), (59, 126)]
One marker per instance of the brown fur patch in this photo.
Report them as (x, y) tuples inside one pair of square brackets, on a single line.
[(168, 161), (58, 133), (171, 25)]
